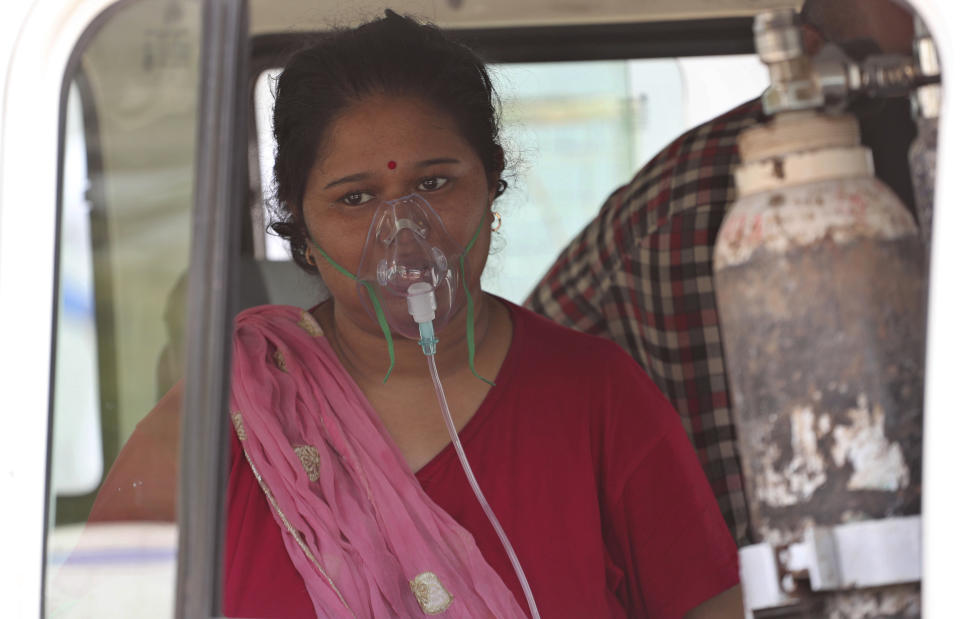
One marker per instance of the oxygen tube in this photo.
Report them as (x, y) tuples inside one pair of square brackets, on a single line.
[(422, 305)]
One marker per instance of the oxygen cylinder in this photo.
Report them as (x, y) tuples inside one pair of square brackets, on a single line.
[(820, 285), (821, 295), (820, 290)]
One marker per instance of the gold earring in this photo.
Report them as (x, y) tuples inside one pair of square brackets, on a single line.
[(308, 256), (498, 221)]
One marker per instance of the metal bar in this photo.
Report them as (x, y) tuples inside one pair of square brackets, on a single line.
[(219, 198), (856, 555), (693, 37), (760, 578), (874, 553)]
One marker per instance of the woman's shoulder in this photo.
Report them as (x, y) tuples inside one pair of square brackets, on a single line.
[(563, 345), (578, 365), (589, 385)]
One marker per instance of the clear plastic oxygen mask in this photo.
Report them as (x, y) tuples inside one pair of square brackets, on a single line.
[(408, 245), (408, 252)]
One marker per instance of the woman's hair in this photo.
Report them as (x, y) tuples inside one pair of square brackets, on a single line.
[(393, 55)]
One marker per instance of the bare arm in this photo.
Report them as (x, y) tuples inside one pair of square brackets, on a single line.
[(727, 605), (142, 483)]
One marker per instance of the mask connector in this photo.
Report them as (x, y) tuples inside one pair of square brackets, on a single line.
[(427, 341), (422, 305)]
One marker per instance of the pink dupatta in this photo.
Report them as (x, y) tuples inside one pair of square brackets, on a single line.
[(362, 533)]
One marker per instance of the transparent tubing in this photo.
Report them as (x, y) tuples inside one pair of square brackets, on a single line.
[(447, 419)]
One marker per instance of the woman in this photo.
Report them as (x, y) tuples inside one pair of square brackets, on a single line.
[(345, 498)]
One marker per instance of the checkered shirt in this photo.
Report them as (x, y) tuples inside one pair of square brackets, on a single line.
[(641, 274)]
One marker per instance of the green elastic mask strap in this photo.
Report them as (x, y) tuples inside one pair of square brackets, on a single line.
[(471, 346), (377, 308)]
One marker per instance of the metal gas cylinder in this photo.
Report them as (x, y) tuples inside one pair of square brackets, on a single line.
[(820, 284), (821, 292)]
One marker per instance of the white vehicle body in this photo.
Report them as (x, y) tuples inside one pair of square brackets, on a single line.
[(37, 38)]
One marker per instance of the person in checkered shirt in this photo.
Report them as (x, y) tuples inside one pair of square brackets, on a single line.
[(641, 273)]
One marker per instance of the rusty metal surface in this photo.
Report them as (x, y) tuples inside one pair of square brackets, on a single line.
[(923, 171), (824, 346), (900, 602), (836, 212)]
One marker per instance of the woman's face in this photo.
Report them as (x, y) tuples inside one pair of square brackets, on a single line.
[(384, 148)]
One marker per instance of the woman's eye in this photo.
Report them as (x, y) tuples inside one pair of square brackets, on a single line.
[(356, 198), (432, 184)]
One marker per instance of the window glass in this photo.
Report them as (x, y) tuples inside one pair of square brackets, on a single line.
[(127, 193), (78, 438), (275, 247), (575, 131)]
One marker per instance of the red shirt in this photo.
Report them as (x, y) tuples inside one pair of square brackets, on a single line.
[(585, 464)]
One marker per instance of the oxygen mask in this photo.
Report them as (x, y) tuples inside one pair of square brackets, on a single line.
[(412, 277), (408, 252)]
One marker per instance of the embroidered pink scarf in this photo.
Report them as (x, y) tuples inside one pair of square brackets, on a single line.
[(366, 538)]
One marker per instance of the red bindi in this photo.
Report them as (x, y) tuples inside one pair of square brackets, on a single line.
[(392, 165)]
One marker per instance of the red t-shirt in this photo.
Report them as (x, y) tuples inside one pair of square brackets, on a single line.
[(585, 464)]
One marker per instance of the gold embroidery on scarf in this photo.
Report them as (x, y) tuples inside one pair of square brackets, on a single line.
[(278, 358), (431, 595), (297, 536), (238, 425), (308, 324), (310, 459)]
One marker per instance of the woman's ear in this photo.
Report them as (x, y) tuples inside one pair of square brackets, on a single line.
[(497, 188)]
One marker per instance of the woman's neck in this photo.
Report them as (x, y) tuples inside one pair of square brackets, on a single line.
[(364, 354)]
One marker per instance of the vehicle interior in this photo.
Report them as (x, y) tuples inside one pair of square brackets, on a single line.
[(589, 91)]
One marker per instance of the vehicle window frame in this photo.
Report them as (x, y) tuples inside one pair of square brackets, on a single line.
[(219, 188), (220, 191), (70, 24), (621, 41), (73, 73), (102, 273)]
